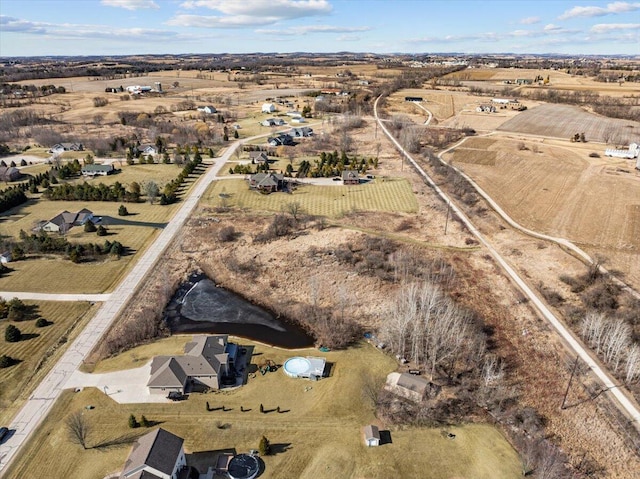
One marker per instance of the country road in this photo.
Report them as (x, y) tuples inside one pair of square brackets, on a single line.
[(45, 395), (625, 403)]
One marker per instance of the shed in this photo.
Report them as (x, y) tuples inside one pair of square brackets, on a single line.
[(5, 257), (371, 435), (268, 108)]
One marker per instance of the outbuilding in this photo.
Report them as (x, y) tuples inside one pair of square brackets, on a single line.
[(268, 108), (371, 435)]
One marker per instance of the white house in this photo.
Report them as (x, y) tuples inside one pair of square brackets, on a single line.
[(371, 436), (5, 257), (268, 108), (62, 147), (209, 110), (156, 455)]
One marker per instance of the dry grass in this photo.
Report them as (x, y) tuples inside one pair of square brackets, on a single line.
[(563, 121), (392, 195), (135, 232), (319, 436), (18, 381), (158, 172)]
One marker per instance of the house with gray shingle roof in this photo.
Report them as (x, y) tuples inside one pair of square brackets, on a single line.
[(269, 182), (205, 360), (64, 221), (156, 455)]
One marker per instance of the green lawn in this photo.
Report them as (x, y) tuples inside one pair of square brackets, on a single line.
[(388, 195), (319, 435)]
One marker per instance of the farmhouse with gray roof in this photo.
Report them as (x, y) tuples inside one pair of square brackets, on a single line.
[(156, 455), (65, 221), (206, 359)]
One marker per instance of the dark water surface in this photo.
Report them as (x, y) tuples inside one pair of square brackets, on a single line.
[(200, 306)]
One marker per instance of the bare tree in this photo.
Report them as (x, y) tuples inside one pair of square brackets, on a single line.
[(633, 364), (294, 208), (78, 428)]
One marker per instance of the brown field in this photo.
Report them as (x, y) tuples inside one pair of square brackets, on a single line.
[(563, 121), (18, 381), (593, 202), (319, 436)]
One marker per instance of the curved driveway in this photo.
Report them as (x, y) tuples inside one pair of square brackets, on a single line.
[(626, 404)]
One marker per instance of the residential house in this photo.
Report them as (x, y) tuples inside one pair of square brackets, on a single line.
[(9, 173), (268, 108), (147, 149), (268, 182), (62, 147), (268, 122), (371, 435), (350, 177), (209, 110), (407, 385), (66, 220), (5, 257), (158, 454), (283, 139), (258, 157), (205, 361), (97, 170), (301, 132)]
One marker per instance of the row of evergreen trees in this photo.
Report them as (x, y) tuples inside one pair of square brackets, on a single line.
[(44, 243), (88, 192), (169, 195)]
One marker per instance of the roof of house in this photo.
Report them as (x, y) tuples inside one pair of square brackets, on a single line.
[(8, 170), (372, 432), (98, 167), (350, 175), (166, 372), (267, 179), (258, 155), (413, 383), (158, 449)]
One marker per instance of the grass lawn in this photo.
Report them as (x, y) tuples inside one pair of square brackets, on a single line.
[(60, 275), (391, 194), (18, 381), (318, 437)]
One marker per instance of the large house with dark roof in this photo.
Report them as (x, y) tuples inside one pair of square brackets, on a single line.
[(205, 361), (268, 182), (66, 220), (9, 173), (156, 455)]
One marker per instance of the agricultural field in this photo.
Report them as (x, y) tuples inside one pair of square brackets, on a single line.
[(382, 194), (560, 190), (51, 275), (563, 121), (17, 381), (319, 435)]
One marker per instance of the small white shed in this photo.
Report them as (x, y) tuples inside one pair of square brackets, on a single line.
[(268, 108), (371, 435)]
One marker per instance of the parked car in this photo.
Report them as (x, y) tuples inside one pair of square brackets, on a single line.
[(3, 433), (175, 396)]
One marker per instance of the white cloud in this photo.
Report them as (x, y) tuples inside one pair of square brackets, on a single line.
[(12, 24), (551, 28), (305, 29), (593, 11), (205, 21), (264, 8), (530, 20), (348, 38), (130, 4), (612, 27)]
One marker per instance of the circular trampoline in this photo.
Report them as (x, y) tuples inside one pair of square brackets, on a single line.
[(243, 466), (297, 366)]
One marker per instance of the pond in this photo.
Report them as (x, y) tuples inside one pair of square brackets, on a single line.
[(199, 306)]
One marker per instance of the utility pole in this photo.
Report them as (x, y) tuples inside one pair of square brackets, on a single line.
[(573, 372)]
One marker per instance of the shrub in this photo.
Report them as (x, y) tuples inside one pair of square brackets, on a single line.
[(6, 361), (41, 323), (264, 448), (144, 422), (226, 234), (89, 227), (12, 334), (102, 231), (122, 211), (133, 422)]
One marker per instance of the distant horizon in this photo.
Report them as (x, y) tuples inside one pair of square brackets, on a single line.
[(93, 28)]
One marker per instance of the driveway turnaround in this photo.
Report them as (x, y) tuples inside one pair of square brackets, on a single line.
[(45, 395)]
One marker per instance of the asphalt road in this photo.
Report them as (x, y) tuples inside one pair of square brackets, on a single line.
[(625, 403)]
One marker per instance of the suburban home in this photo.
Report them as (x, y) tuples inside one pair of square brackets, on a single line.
[(5, 257), (269, 182), (407, 385), (258, 157), (282, 139), (268, 108), (301, 132), (156, 455), (9, 173), (147, 149), (371, 435), (97, 170), (350, 177), (62, 147), (269, 122), (65, 221), (209, 110), (205, 361)]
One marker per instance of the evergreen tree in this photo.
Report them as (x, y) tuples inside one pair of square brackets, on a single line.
[(264, 447), (133, 422), (12, 334)]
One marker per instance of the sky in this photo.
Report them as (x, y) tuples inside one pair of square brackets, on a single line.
[(123, 27)]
